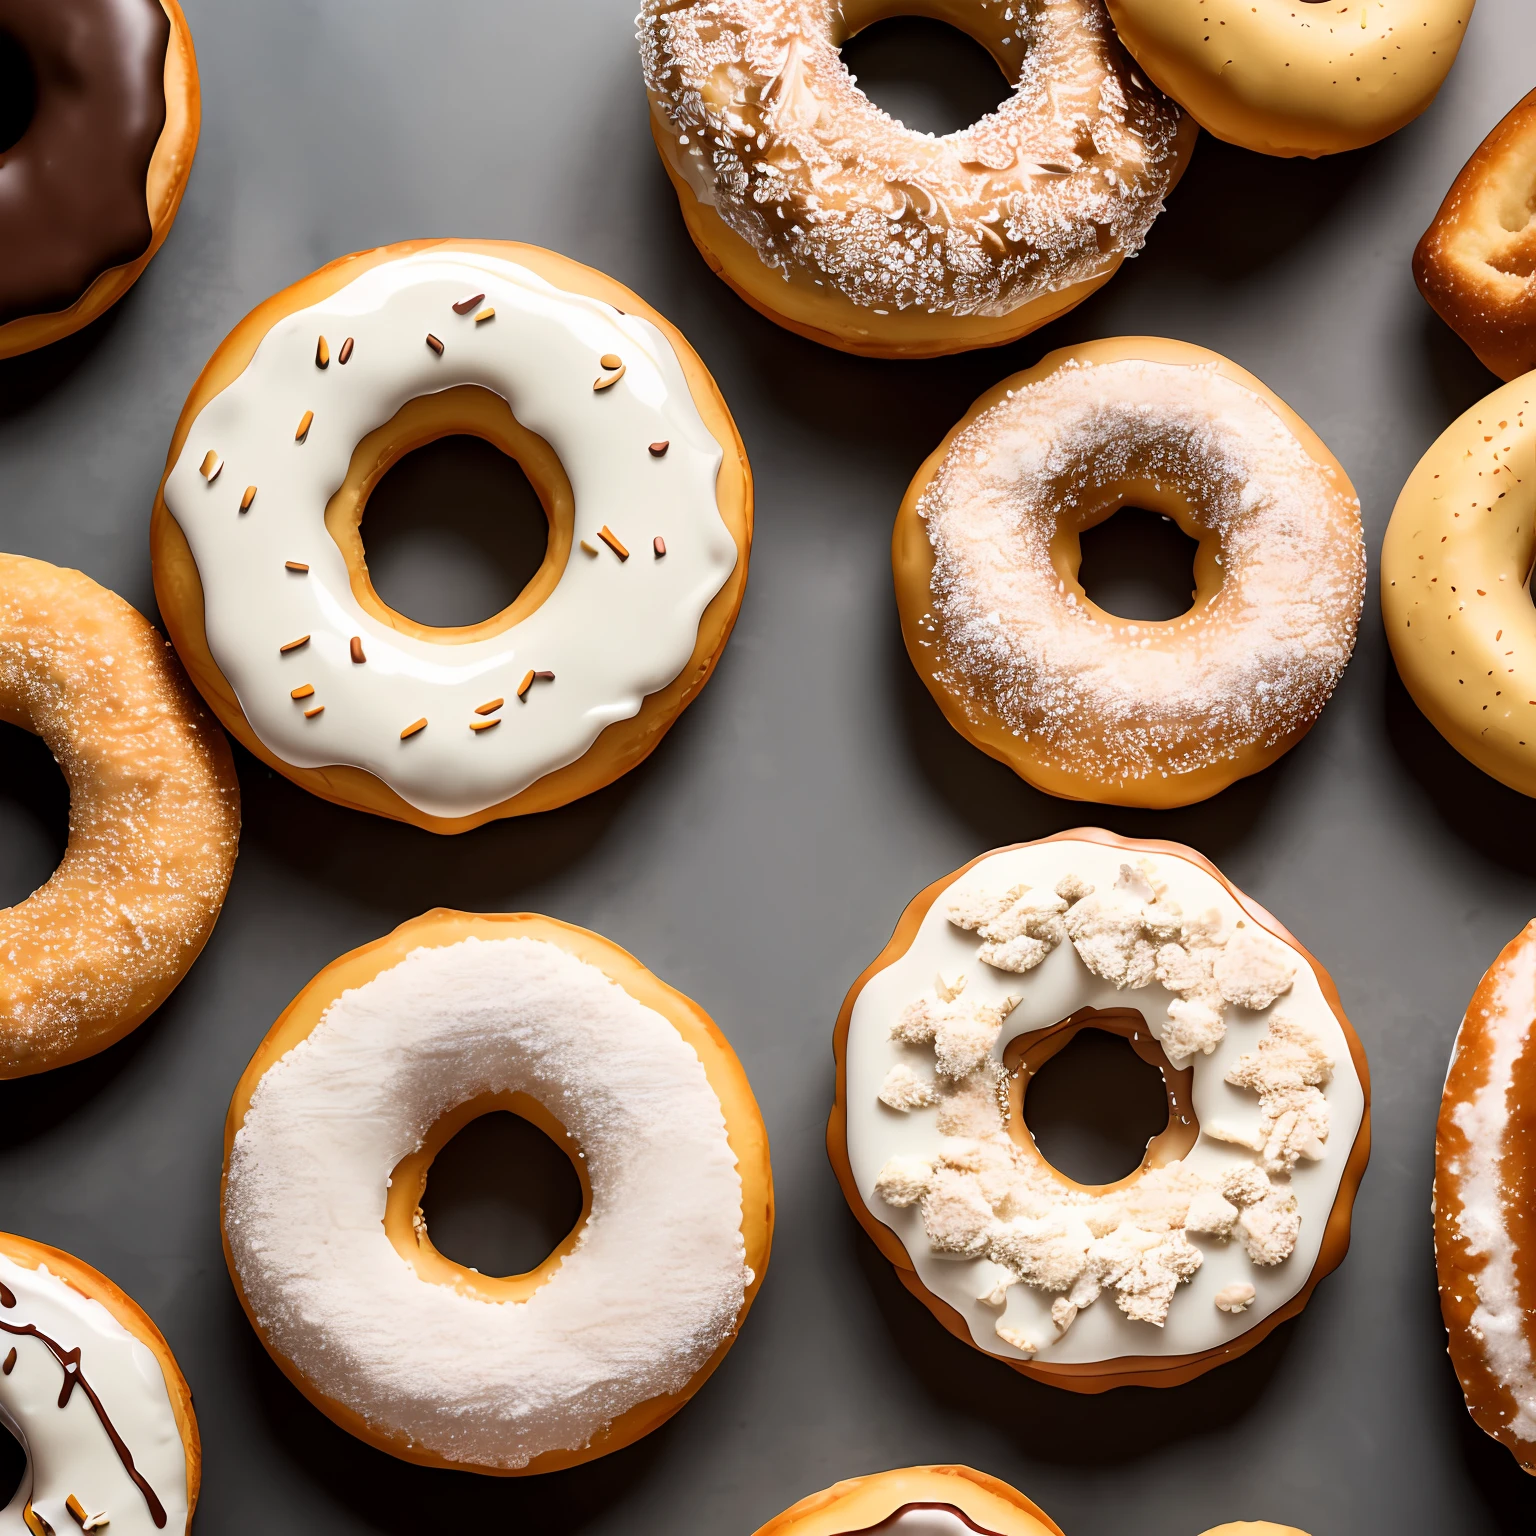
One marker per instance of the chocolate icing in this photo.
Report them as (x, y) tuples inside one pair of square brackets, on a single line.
[(73, 187)]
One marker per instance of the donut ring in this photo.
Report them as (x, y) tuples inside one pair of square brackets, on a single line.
[(1077, 701), (93, 1395), (154, 819), (1476, 265), (1299, 79), (1483, 1245), (448, 1367), (91, 189), (846, 227), (1454, 568), (1008, 1253), (259, 568)]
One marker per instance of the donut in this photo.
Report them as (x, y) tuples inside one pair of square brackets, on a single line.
[(93, 1394), (1476, 264), (846, 227), (1239, 1206), (154, 819), (1301, 78), (259, 565), (90, 190), (1080, 702), (376, 1064), (1484, 1143), (1454, 566)]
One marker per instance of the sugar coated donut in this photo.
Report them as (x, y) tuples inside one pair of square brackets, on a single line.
[(1485, 1241), (92, 1393), (1309, 77), (1080, 702), (1476, 264), (1454, 568), (375, 1065), (154, 819), (259, 563), (90, 190), (849, 228), (1239, 1206), (915, 1501)]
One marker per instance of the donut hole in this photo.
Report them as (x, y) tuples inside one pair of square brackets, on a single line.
[(34, 816), (18, 93), (13, 1463), (928, 75), (1138, 564)]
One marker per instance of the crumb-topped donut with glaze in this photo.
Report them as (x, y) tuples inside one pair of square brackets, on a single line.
[(154, 818), (383, 1057), (1485, 1243), (1476, 265), (259, 563), (1076, 700), (95, 1399), (90, 190), (1296, 77), (849, 228), (1239, 1206)]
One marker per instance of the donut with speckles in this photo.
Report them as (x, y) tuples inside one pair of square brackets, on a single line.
[(89, 190)]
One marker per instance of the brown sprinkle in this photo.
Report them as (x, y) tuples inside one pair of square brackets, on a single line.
[(525, 685), (484, 725), (356, 648), (304, 422), (211, 466), (464, 306), (295, 565), (658, 449), (659, 544), (611, 539), (484, 315), (413, 727), (319, 709), (545, 677), (304, 691), (10, 1363), (248, 498), (611, 379), (434, 343), (293, 645), (322, 354), (344, 356), (591, 549), (489, 707)]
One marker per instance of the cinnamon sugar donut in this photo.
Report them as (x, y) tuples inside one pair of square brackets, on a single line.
[(851, 229), (154, 819), (1082, 703), (1485, 1240)]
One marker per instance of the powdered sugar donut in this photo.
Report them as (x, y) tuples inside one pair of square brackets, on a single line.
[(374, 1066), (1078, 701), (1239, 1207), (856, 231)]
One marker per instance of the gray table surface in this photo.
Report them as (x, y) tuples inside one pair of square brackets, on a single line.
[(761, 857)]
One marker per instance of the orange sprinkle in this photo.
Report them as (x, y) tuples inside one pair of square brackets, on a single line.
[(295, 565), (488, 313), (525, 685), (484, 725), (356, 649), (489, 707), (248, 498), (319, 709), (611, 379), (413, 727), (304, 422), (303, 691), (611, 360), (293, 645), (211, 466), (611, 539), (322, 354)]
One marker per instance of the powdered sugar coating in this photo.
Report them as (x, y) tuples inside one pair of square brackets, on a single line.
[(1127, 703), (658, 1276), (758, 114)]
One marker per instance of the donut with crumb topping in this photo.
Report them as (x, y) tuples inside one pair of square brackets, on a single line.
[(847, 227), (1077, 701)]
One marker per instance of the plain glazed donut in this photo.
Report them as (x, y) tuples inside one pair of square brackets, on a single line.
[(1082, 703), (848, 228), (90, 190), (259, 565), (1455, 567), (915, 1501), (154, 819), (384, 1056), (1476, 264), (1240, 1206), (1485, 1243), (1293, 77), (93, 1395)]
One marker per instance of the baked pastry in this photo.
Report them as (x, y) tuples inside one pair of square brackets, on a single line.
[(1476, 264), (383, 1057), (96, 1401), (1454, 566), (259, 565), (1239, 1206), (154, 819), (90, 190), (847, 227), (1076, 700)]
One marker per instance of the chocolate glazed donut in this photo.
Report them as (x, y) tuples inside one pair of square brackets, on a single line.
[(89, 189)]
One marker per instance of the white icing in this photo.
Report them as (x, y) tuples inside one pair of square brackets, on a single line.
[(612, 631), (1499, 1321), (654, 1285), (1056, 987), (68, 1451)]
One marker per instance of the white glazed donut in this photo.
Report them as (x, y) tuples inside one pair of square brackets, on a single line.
[(1239, 1206), (384, 1054), (259, 565), (93, 1395)]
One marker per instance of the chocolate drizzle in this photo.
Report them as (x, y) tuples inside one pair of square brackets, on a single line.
[(69, 1359), (893, 1520)]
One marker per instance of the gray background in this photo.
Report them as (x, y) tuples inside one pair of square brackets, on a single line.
[(761, 857)]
